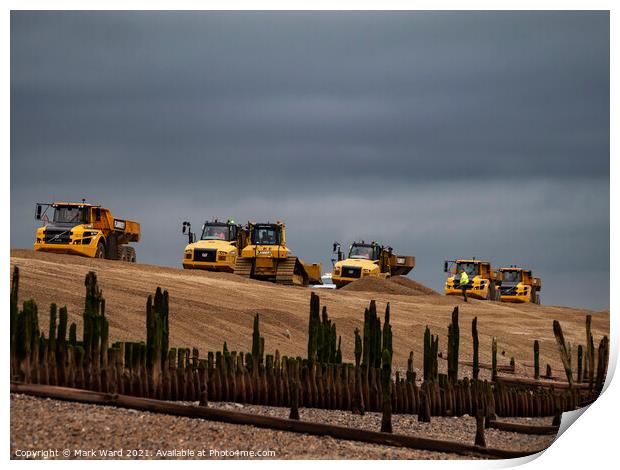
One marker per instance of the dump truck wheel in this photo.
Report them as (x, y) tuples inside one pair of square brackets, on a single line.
[(130, 254), (100, 253), (121, 253)]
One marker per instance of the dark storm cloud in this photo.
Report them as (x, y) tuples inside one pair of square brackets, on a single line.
[(417, 128)]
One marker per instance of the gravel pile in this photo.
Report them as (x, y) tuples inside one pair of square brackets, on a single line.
[(399, 285), (93, 432)]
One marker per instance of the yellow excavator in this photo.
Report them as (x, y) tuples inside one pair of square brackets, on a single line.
[(266, 257), (517, 285), (368, 260), (217, 248), (84, 229), (482, 283)]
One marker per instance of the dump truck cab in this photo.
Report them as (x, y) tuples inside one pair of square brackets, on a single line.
[(518, 285), (368, 260), (266, 257), (86, 230), (482, 283), (218, 246)]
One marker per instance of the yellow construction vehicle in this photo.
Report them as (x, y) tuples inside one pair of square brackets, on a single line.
[(482, 283), (84, 229), (517, 285), (217, 248), (267, 257), (368, 260)]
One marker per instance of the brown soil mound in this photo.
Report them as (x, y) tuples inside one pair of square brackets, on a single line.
[(396, 285), (419, 289)]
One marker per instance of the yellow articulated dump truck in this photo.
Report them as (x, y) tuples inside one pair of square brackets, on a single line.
[(481, 280), (266, 257), (368, 260), (84, 229), (517, 285), (217, 248)]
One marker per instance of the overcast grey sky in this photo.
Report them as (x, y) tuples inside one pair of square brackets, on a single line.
[(443, 135)]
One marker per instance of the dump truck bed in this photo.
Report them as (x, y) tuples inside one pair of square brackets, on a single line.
[(402, 265), (128, 230)]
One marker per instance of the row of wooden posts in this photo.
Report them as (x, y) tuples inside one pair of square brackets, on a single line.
[(153, 369)]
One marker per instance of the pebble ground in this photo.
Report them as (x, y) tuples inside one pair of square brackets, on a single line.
[(95, 432)]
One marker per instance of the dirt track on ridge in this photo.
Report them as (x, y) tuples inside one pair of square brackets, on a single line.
[(207, 309)]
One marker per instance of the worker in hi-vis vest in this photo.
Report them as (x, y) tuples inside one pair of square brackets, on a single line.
[(463, 283)]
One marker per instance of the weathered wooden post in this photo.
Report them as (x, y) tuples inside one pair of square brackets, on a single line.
[(494, 359), (564, 352), (313, 326), (410, 371), (434, 354), (358, 396), (386, 382), (453, 346), (51, 342), (480, 440), (536, 360), (255, 341), (603, 359), (387, 333), (590, 350), (14, 308), (424, 408), (579, 363), (294, 389)]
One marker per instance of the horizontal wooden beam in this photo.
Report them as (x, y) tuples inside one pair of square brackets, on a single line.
[(523, 428), (235, 417), (525, 382)]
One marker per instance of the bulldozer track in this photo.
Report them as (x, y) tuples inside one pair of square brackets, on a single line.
[(290, 272), (243, 267)]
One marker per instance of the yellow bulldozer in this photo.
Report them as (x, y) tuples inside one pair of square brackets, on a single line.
[(217, 248), (83, 229), (482, 282), (517, 285), (266, 257), (368, 260)]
